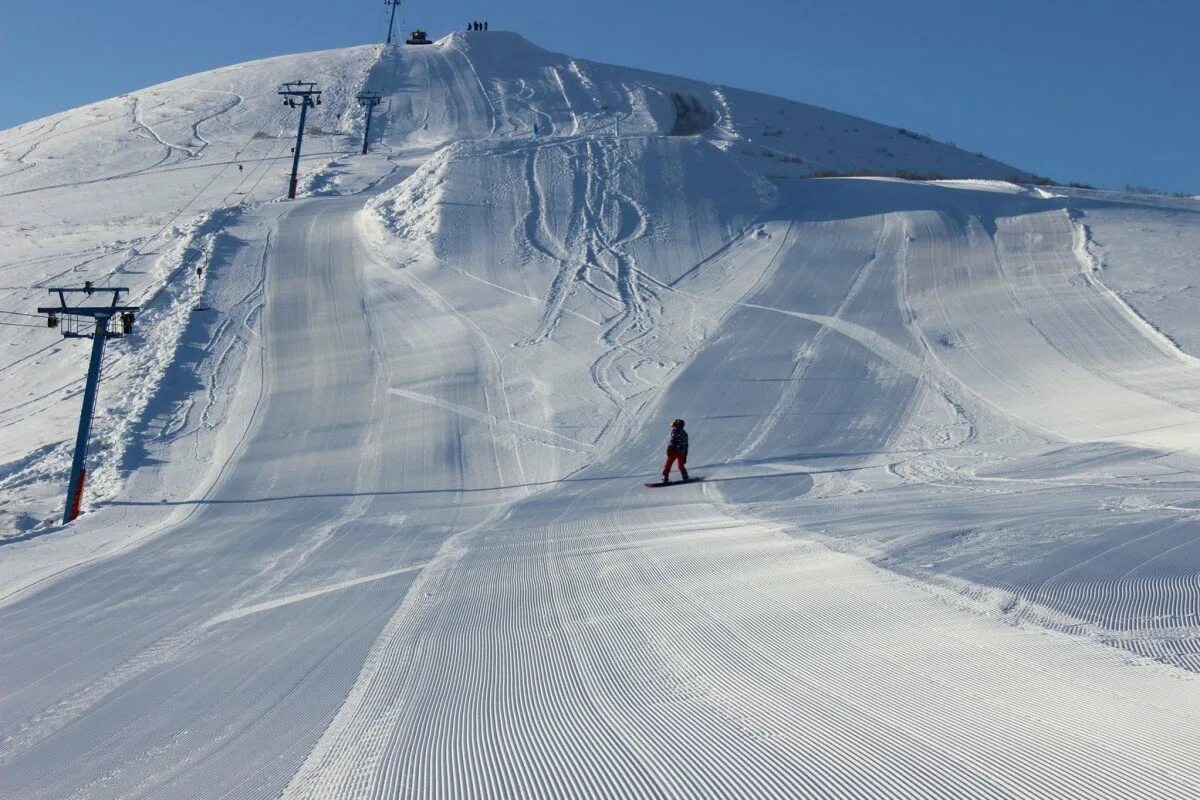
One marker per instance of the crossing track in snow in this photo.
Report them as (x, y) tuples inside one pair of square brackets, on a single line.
[(603, 641)]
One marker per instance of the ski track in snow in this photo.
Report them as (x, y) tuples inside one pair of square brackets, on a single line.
[(390, 536)]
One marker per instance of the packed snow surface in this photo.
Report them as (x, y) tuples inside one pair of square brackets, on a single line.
[(368, 517)]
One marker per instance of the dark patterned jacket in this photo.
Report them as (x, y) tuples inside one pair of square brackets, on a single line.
[(679, 441)]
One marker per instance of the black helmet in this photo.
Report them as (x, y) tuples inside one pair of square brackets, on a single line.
[(677, 423)]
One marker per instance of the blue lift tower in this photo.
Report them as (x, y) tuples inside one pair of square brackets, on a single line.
[(306, 95), (392, 20), (87, 322), (369, 100)]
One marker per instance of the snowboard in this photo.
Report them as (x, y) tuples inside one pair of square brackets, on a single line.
[(691, 479)]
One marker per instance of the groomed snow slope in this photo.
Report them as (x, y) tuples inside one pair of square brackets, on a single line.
[(387, 537), (134, 191)]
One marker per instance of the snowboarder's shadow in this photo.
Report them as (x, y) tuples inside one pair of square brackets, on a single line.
[(482, 489)]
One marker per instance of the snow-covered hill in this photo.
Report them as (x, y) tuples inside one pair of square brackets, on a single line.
[(134, 191), (368, 519)]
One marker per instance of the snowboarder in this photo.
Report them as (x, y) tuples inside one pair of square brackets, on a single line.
[(485, 24), (239, 167), (677, 450)]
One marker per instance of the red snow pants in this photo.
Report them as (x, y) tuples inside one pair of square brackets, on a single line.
[(677, 458)]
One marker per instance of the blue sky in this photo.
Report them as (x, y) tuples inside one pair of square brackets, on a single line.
[(1103, 91)]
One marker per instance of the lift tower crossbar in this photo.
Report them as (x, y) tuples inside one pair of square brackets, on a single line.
[(392, 20), (87, 322), (306, 95), (369, 100)]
